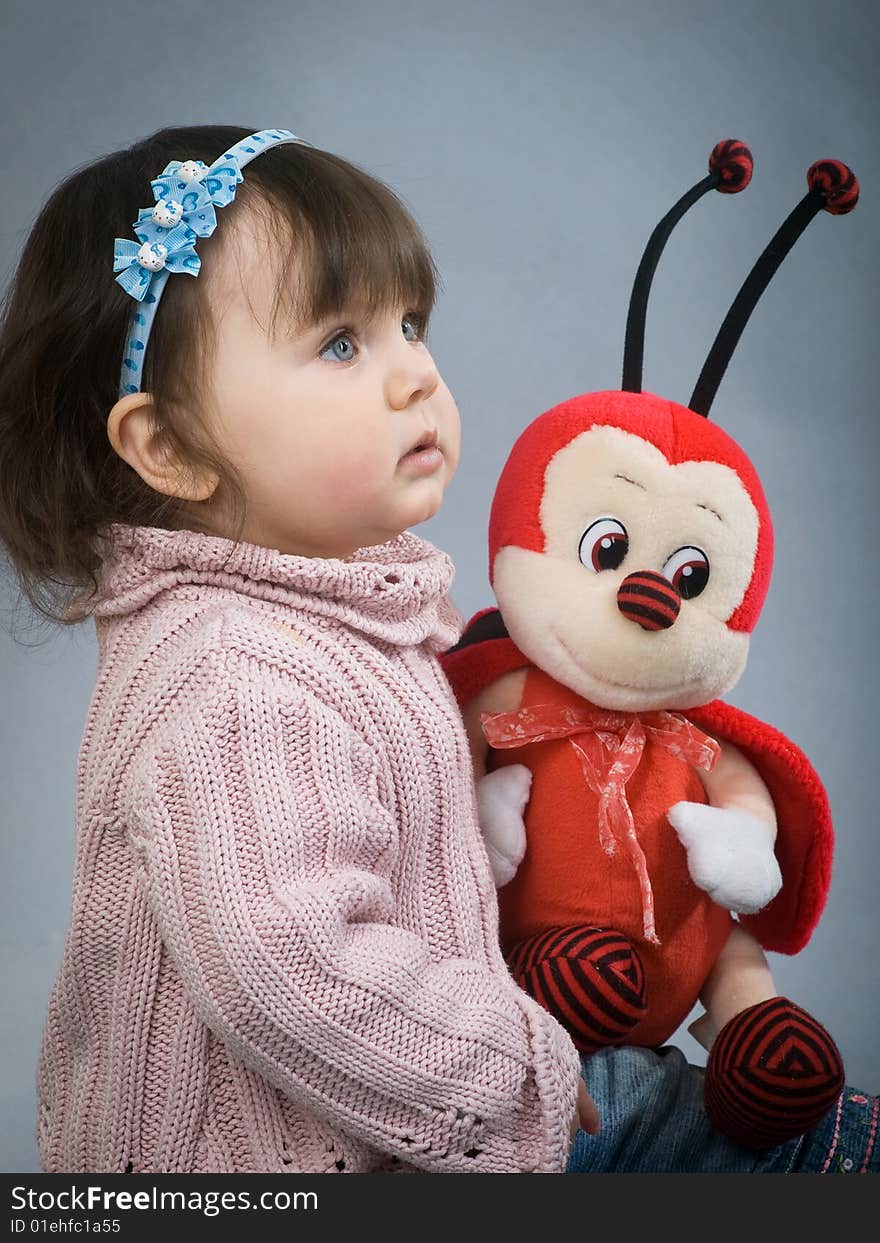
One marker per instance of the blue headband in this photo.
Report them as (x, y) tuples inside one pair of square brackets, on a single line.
[(186, 195)]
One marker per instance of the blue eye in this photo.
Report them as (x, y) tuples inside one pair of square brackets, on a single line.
[(342, 348), (411, 323)]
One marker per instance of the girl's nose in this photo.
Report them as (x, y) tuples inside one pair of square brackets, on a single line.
[(411, 378), (648, 599)]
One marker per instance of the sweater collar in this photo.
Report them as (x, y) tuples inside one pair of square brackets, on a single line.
[(396, 591)]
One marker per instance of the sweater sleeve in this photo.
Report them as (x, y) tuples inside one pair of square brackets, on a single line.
[(267, 847)]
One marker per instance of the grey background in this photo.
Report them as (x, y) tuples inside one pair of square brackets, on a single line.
[(538, 144)]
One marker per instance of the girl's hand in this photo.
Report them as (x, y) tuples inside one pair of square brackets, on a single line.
[(586, 1115)]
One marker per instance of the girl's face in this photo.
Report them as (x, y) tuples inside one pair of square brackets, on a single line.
[(319, 421)]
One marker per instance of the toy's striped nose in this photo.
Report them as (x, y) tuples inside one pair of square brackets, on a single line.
[(649, 599)]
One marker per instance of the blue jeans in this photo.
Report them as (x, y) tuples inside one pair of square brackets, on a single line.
[(653, 1121)]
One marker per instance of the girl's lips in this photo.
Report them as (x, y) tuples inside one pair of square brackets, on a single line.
[(422, 461)]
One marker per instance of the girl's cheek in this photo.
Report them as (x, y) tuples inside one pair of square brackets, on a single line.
[(344, 468), (453, 447)]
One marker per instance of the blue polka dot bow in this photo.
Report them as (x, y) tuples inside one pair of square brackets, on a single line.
[(186, 195)]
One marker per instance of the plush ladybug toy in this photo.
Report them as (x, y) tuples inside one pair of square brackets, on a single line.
[(627, 811)]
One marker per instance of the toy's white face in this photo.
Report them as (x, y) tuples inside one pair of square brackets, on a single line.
[(613, 506)]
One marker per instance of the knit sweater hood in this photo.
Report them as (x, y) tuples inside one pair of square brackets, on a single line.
[(396, 591)]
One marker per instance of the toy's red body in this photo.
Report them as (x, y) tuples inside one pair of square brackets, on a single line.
[(567, 878)]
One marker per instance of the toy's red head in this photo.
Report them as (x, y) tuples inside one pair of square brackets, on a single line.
[(630, 543)]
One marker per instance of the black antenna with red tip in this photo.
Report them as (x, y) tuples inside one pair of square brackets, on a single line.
[(730, 170), (833, 188)]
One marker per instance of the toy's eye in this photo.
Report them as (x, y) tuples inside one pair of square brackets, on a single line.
[(688, 571), (603, 545)]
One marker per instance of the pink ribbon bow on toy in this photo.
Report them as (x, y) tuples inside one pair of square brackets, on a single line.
[(609, 746)]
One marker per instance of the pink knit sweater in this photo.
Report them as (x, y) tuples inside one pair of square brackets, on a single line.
[(282, 952)]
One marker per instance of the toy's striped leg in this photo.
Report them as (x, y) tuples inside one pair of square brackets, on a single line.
[(773, 1073), (590, 979)]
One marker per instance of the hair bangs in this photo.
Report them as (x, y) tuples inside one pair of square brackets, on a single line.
[(344, 242)]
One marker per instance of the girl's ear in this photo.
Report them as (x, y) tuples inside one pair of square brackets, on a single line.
[(135, 433)]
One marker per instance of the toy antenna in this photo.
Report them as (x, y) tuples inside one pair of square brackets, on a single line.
[(832, 187), (730, 170)]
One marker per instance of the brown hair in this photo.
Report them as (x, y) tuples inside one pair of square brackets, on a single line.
[(65, 320)]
